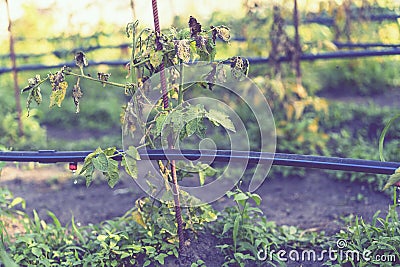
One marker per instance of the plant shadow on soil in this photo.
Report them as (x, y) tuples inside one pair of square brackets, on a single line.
[(314, 202)]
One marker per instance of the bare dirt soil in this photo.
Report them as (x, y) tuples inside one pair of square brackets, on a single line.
[(314, 201)]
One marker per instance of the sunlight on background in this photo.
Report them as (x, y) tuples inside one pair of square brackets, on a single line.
[(83, 15)]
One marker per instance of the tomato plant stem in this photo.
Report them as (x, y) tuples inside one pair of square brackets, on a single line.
[(96, 80)]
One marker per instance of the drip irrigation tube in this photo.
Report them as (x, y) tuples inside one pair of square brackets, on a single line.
[(303, 57), (296, 160)]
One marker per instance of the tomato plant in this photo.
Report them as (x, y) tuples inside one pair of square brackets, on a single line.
[(172, 120)]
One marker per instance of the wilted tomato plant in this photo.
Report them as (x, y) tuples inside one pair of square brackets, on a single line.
[(151, 53)]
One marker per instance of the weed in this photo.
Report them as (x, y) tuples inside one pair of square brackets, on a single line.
[(247, 236), (375, 244)]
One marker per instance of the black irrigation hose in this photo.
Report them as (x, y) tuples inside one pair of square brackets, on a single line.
[(334, 55), (305, 161), (329, 21), (65, 52), (364, 45), (68, 64), (303, 57)]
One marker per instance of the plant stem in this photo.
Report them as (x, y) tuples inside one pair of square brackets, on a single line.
[(96, 80), (132, 68), (180, 90)]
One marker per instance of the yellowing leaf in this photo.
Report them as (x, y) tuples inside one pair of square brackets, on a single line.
[(156, 58), (57, 96), (289, 111), (278, 87), (300, 138), (298, 108), (313, 127), (320, 104), (182, 48), (101, 238), (300, 91), (329, 45), (137, 217), (393, 179), (202, 177)]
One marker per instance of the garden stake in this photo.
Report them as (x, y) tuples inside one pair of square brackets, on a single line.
[(175, 187)]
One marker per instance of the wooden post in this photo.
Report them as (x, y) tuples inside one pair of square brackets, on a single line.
[(297, 45), (15, 74)]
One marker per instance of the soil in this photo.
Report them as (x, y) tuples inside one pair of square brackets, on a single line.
[(314, 202)]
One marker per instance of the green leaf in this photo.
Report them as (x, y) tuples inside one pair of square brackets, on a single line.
[(383, 134), (160, 120), (88, 161), (101, 162), (227, 226), (193, 51), (101, 238), (36, 251), (219, 118), (110, 151), (89, 174), (112, 173), (236, 230), (129, 161), (55, 219), (36, 221), (160, 258), (195, 126), (240, 196), (86, 164), (156, 58), (16, 201), (256, 199), (393, 179), (76, 230), (202, 177), (130, 166), (133, 152), (5, 258)]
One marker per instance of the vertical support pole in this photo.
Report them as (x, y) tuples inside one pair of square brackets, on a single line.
[(298, 52), (175, 187), (15, 74)]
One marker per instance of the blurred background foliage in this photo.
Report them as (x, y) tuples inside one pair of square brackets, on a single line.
[(313, 110)]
